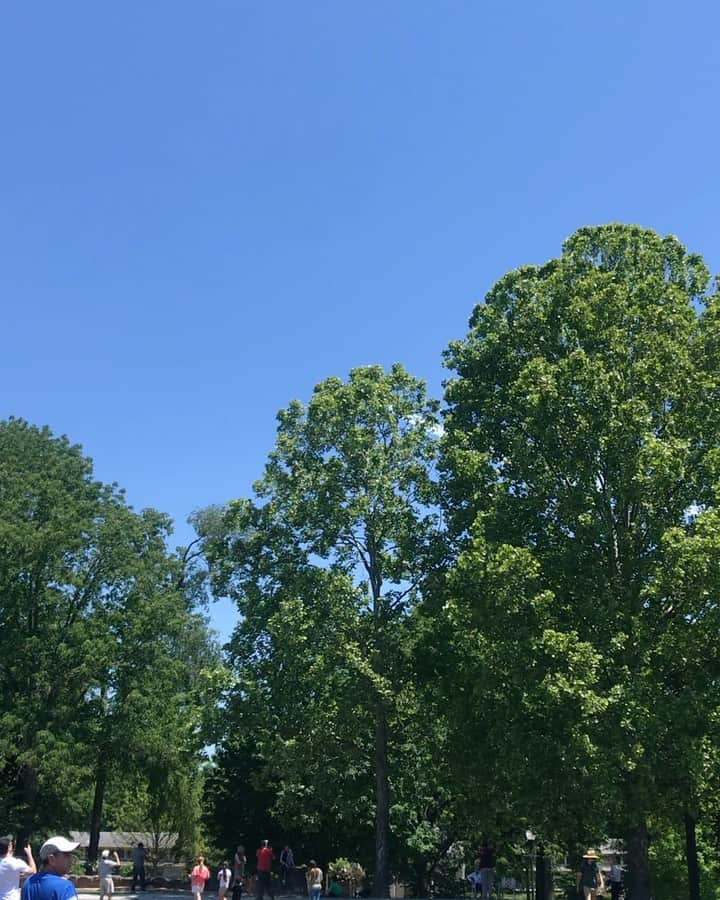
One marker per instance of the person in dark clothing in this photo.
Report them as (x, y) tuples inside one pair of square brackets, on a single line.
[(487, 869), (138, 863), (590, 878), (287, 863)]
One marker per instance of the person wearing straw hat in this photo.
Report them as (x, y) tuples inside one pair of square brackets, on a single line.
[(590, 877)]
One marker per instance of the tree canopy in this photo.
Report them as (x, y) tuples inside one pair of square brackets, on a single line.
[(572, 447), (105, 661), (455, 622), (325, 565)]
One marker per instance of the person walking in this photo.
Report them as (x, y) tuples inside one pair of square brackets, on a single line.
[(51, 882), (106, 867), (475, 879), (239, 861), (11, 868), (314, 880), (198, 876), (616, 885), (138, 864), (264, 856), (590, 878), (224, 877), (487, 868), (287, 863)]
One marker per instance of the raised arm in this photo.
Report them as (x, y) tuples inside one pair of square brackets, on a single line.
[(32, 868)]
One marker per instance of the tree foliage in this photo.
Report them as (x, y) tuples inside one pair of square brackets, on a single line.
[(325, 566), (105, 664), (572, 438)]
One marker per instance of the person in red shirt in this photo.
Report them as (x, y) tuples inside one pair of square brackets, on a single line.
[(263, 884), (198, 877)]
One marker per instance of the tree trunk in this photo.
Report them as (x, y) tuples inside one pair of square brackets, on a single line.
[(27, 789), (382, 804), (543, 876), (638, 874), (421, 880), (693, 868), (96, 815)]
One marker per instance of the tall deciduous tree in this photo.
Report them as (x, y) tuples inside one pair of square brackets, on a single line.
[(572, 433), (325, 566), (57, 564), (157, 679), (104, 660)]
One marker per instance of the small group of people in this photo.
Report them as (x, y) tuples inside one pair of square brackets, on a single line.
[(49, 883), (265, 856), (56, 856), (482, 877), (230, 880), (263, 880), (107, 865)]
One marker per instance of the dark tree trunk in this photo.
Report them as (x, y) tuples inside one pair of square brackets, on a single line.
[(27, 789), (543, 876), (693, 868), (638, 874), (96, 815), (420, 878), (382, 804)]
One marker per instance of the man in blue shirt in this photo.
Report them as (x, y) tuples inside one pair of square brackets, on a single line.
[(51, 882)]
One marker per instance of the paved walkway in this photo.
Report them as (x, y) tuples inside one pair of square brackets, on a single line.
[(157, 894), (165, 894)]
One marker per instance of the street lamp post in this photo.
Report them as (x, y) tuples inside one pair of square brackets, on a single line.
[(529, 886)]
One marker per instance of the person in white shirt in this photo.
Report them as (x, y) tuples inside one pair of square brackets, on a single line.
[(615, 881), (105, 872), (11, 868), (224, 877)]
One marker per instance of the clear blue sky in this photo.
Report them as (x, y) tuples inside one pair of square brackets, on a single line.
[(208, 207)]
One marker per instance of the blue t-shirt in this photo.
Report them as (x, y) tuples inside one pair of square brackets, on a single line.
[(48, 886)]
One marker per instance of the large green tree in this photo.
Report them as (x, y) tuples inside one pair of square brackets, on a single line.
[(105, 663), (157, 679), (57, 566), (325, 566), (572, 435)]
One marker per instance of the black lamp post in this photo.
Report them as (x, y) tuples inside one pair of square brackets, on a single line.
[(540, 874), (529, 886)]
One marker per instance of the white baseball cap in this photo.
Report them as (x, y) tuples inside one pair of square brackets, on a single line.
[(57, 845)]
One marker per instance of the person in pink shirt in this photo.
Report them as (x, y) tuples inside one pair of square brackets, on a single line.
[(198, 877)]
